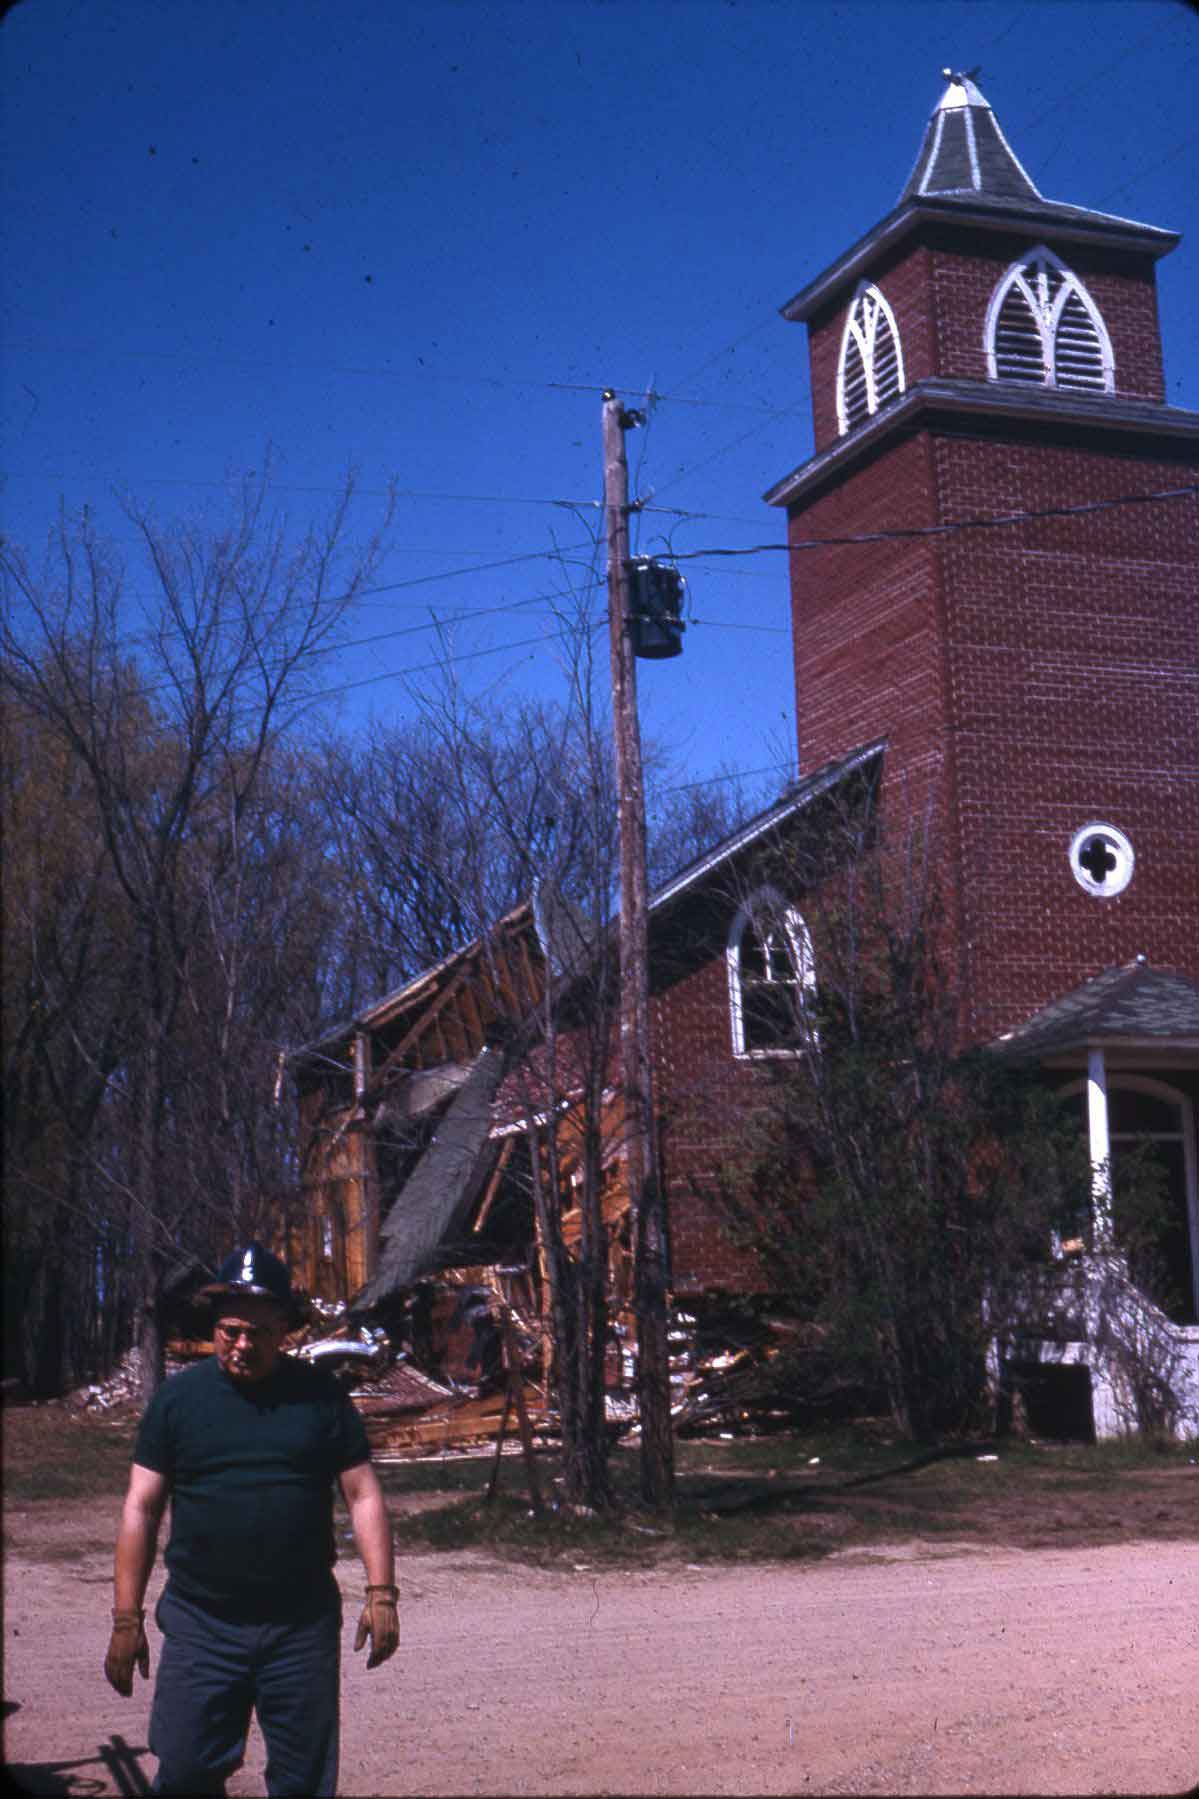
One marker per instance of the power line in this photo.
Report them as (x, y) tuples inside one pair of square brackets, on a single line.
[(423, 668), (735, 774), (724, 624), (401, 493), (459, 618), (292, 367), (1149, 169), (982, 523)]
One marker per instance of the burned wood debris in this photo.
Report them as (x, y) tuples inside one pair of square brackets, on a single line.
[(749, 1372)]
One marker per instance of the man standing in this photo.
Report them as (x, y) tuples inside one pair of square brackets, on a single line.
[(247, 1445)]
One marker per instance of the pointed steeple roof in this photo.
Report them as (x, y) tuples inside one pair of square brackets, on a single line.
[(968, 174), (964, 150)]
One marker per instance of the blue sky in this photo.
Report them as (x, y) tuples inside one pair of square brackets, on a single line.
[(421, 238)]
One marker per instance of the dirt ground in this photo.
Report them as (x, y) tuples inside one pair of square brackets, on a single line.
[(904, 1671)]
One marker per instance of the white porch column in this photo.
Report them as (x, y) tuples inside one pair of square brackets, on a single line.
[(1099, 1138)]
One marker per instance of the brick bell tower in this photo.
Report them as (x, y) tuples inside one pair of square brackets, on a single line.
[(983, 351)]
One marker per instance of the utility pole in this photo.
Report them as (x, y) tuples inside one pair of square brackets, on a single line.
[(645, 1194)]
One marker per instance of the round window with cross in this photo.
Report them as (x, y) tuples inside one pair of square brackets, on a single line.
[(1101, 860)]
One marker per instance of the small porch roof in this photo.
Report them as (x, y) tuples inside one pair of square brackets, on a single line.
[(1140, 1014)]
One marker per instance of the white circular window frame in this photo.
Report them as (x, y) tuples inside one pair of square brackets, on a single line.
[(1120, 847)]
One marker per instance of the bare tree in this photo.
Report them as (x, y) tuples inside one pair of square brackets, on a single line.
[(902, 1187), (172, 729), (531, 795)]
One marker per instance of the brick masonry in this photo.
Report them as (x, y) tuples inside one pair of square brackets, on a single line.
[(1030, 680)]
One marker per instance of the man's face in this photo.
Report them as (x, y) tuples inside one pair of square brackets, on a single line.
[(247, 1334)]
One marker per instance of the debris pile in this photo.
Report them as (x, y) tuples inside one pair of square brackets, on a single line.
[(123, 1387), (750, 1375)]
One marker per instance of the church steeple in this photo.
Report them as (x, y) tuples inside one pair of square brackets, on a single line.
[(964, 150)]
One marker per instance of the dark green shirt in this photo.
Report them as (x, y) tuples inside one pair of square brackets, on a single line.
[(251, 1471)]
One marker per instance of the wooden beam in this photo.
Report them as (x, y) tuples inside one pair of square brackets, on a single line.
[(426, 1018), (493, 1185)]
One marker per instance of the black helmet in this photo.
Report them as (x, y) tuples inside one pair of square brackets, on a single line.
[(254, 1270)]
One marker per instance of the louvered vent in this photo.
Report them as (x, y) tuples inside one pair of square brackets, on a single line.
[(1044, 328), (1078, 353), (870, 370), (1019, 355), (886, 364), (855, 404)]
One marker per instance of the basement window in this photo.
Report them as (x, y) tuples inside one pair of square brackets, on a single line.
[(772, 977), (870, 366), (1044, 329)]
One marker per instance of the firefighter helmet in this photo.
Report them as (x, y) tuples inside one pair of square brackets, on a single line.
[(254, 1270)]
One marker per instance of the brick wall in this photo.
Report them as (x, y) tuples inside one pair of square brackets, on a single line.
[(705, 1098), (1073, 696), (1041, 677), (939, 287)]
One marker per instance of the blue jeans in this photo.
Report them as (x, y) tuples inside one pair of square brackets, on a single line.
[(214, 1672)]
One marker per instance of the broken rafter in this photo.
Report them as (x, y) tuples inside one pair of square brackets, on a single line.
[(493, 1185), (417, 1031)]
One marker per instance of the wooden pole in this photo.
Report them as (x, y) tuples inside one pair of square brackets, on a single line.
[(645, 1195)]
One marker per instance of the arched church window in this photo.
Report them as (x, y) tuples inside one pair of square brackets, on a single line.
[(1044, 328), (772, 977), (870, 368)]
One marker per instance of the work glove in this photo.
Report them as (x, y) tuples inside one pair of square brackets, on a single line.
[(380, 1621), (126, 1647)]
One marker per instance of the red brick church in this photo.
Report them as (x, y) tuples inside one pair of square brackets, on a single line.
[(995, 609)]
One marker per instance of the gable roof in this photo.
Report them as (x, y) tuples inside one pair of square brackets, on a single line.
[(798, 796), (1132, 1006)]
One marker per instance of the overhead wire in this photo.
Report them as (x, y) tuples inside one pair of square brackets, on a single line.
[(982, 522)]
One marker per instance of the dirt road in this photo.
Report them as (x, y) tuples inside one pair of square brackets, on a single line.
[(906, 1672)]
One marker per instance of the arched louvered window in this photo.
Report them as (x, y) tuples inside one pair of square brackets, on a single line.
[(870, 368), (1044, 328), (772, 977)]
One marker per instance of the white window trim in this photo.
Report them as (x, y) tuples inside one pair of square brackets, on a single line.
[(1046, 316), (799, 945), (1125, 860), (864, 332)]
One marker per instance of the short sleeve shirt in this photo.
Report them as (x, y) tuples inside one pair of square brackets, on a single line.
[(251, 1469)]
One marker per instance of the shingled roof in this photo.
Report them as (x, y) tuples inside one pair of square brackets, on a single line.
[(965, 151), (446, 1182), (968, 174), (1132, 1005)]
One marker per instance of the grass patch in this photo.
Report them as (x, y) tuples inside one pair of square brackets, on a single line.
[(51, 1452), (804, 1499), (784, 1498)]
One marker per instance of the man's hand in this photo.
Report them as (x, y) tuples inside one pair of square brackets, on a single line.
[(126, 1647), (380, 1621)]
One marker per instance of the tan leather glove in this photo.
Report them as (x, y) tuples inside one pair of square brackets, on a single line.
[(380, 1621), (127, 1647)]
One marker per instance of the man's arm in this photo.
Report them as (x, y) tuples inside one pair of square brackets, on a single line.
[(372, 1533), (137, 1537), (371, 1525), (137, 1541)]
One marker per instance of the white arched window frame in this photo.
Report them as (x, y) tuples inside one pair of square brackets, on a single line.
[(769, 947), (870, 362), (1057, 338), (1183, 1134)]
